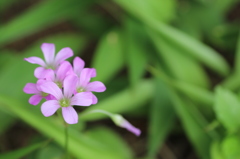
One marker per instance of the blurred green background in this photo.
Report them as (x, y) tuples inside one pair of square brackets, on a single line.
[(172, 68)]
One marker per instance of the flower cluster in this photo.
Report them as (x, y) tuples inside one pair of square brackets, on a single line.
[(61, 84)]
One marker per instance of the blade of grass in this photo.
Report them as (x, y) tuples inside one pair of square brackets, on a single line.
[(80, 145), (20, 153), (194, 130), (180, 65), (135, 53), (161, 118), (38, 17), (108, 58), (178, 39)]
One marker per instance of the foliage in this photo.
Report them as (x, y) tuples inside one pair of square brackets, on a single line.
[(163, 62)]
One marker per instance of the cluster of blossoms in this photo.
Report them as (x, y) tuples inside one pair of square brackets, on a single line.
[(64, 85)]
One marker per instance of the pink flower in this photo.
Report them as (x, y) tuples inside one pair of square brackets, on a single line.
[(32, 88), (51, 62), (84, 84), (78, 66), (59, 75), (65, 99), (120, 121)]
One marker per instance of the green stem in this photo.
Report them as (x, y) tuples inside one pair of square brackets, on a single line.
[(66, 134), (66, 140)]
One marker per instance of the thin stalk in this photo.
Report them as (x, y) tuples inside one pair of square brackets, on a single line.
[(66, 134), (66, 141)]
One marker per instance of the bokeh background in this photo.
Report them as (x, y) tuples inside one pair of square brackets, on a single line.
[(172, 68)]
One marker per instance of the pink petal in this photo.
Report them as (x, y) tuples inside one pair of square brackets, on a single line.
[(94, 99), (70, 115), (130, 128), (30, 88), (63, 70), (69, 85), (78, 65), (49, 75), (63, 54), (35, 60), (52, 88), (35, 99), (48, 50), (40, 82), (82, 99), (85, 77), (94, 72), (41, 72), (96, 86), (49, 107)]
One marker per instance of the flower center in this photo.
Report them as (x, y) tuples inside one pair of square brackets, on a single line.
[(59, 84), (44, 94), (50, 66), (80, 89), (64, 102)]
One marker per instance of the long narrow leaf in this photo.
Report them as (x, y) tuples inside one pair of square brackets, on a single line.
[(108, 58), (42, 15), (80, 145), (178, 39), (20, 153), (161, 118)]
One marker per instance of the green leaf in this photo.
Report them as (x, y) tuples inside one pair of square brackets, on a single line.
[(108, 58), (161, 118), (193, 92), (158, 9), (227, 109), (191, 47), (182, 67), (111, 140), (230, 147), (20, 153), (193, 125), (39, 16), (126, 100), (216, 151), (135, 53), (6, 121), (237, 55), (178, 39), (79, 145), (5, 3), (50, 151)]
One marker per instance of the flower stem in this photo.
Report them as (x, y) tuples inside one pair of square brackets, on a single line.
[(66, 141), (66, 135)]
